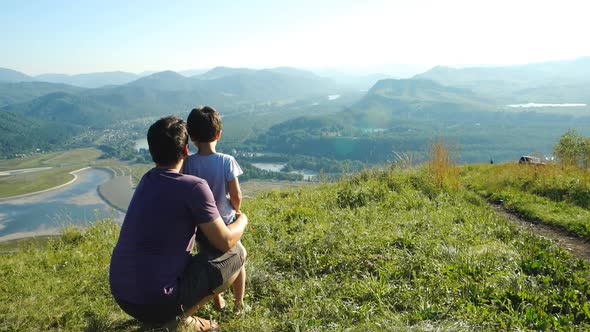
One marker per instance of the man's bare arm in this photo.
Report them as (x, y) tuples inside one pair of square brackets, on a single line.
[(224, 237)]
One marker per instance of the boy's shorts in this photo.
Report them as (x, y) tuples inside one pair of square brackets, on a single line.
[(231, 220), (207, 271)]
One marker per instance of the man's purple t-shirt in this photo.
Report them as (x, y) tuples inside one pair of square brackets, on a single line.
[(160, 221)]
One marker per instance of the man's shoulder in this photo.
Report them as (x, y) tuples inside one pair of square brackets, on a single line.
[(191, 179), (161, 178)]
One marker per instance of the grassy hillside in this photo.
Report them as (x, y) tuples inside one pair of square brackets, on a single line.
[(549, 193), (379, 251)]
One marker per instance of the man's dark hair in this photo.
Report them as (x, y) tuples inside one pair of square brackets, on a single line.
[(167, 138), (204, 123)]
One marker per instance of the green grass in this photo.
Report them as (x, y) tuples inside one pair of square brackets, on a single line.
[(35, 181), (21, 244), (75, 157), (379, 251), (550, 194), (62, 162), (254, 187)]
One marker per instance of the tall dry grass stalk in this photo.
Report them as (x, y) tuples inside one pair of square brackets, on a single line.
[(402, 160), (441, 166)]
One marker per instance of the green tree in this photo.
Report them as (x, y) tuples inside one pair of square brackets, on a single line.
[(573, 149), (585, 151)]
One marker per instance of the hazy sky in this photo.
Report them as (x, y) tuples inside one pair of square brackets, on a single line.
[(87, 36)]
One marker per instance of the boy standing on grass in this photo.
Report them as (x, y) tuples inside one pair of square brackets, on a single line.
[(221, 172)]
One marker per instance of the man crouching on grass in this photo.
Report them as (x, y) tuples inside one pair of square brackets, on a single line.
[(153, 275)]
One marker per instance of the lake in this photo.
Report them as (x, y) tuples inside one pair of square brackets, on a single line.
[(308, 175), (535, 105), (45, 213), (269, 166), (141, 144)]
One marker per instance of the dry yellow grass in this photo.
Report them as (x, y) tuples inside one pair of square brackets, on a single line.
[(441, 166)]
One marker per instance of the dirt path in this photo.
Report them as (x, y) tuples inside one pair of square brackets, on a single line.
[(571, 243)]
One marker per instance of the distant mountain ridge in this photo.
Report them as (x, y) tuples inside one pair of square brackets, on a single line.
[(570, 70), (165, 80), (516, 83), (19, 92), (9, 75), (90, 80)]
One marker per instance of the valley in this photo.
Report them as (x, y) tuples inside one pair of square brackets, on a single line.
[(311, 126)]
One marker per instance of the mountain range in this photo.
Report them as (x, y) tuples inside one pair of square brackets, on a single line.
[(158, 94), (88, 80), (521, 83), (443, 100)]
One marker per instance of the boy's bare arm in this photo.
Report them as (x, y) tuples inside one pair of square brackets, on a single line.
[(235, 193)]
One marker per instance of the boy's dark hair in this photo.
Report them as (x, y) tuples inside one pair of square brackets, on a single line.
[(167, 138), (203, 123)]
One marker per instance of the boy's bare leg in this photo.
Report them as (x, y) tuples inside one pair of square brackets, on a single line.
[(239, 287), (208, 298), (219, 301)]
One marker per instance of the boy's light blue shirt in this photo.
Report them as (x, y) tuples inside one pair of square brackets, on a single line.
[(217, 169)]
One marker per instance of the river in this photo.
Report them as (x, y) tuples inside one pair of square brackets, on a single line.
[(45, 213)]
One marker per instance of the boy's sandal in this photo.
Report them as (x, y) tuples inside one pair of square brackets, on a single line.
[(200, 324)]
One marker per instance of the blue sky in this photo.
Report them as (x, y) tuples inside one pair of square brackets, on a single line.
[(88, 36)]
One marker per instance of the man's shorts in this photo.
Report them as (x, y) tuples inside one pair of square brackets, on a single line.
[(206, 271)]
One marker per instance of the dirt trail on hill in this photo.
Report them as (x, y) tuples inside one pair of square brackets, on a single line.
[(571, 243)]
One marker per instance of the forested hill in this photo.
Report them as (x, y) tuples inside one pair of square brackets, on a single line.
[(20, 133), (425, 91), (231, 90), (19, 92), (163, 93)]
